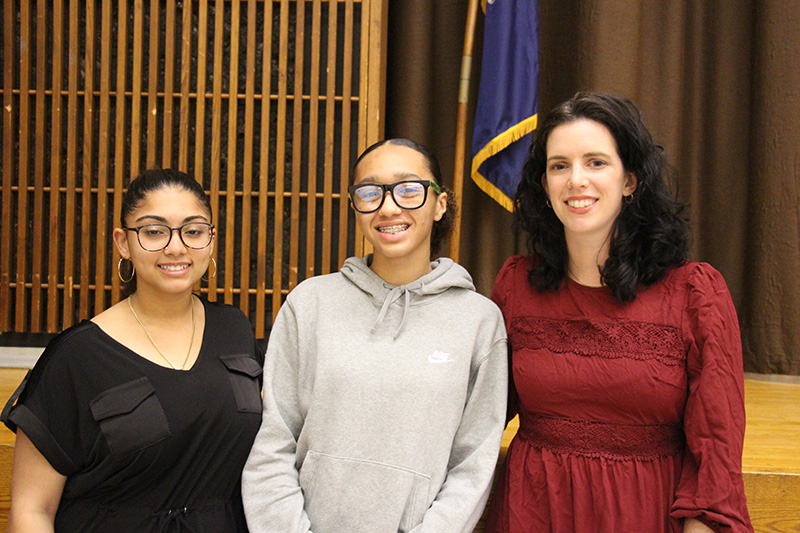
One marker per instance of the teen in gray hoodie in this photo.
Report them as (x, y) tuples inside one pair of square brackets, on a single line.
[(385, 384)]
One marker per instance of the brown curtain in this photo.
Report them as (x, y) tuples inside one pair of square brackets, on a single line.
[(719, 87)]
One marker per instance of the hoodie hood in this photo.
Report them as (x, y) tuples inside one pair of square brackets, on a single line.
[(445, 275)]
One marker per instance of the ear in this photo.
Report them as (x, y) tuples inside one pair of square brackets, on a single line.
[(630, 184), (441, 207), (120, 237), (544, 185)]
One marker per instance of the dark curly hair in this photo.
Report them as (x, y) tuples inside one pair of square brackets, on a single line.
[(443, 227), (651, 233), (154, 180)]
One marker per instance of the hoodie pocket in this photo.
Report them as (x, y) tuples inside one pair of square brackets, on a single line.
[(130, 416), (244, 372), (346, 494)]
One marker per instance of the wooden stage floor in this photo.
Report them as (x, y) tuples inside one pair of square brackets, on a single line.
[(771, 458)]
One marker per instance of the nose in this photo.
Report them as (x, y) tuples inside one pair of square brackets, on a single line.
[(577, 177), (389, 207), (175, 244)]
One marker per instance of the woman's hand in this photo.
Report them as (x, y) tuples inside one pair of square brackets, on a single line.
[(692, 525), (36, 489)]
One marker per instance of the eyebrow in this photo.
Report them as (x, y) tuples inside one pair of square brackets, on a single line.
[(399, 176), (587, 154), (164, 220)]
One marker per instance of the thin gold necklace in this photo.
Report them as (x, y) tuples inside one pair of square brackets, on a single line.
[(191, 341)]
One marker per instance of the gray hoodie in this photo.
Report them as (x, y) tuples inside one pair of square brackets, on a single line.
[(383, 406)]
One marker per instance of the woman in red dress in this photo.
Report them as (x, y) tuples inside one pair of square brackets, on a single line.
[(626, 357)]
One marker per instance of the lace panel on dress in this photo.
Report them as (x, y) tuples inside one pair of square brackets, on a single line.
[(635, 340), (601, 439)]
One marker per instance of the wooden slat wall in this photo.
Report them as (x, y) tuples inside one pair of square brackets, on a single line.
[(266, 103)]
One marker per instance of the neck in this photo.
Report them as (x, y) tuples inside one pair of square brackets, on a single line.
[(163, 307), (401, 270), (586, 256)]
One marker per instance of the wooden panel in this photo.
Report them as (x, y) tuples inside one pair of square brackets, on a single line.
[(104, 162), (23, 175), (169, 84), (345, 157), (231, 177), (186, 77), (88, 158), (40, 122), (120, 145), (216, 141), (263, 319), (248, 198), (56, 161), (330, 115), (258, 100), (71, 210), (137, 88), (313, 139), (280, 159), (9, 51), (154, 69), (297, 134)]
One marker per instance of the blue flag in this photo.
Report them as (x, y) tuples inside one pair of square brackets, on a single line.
[(507, 98)]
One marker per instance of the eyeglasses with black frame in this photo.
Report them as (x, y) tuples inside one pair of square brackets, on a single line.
[(407, 194), (156, 237)]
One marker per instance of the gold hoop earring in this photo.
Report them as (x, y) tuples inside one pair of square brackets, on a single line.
[(213, 262), (548, 203), (119, 270)]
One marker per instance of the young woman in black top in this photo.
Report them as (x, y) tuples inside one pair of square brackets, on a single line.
[(142, 418)]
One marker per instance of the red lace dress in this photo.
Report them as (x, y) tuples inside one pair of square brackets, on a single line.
[(631, 416)]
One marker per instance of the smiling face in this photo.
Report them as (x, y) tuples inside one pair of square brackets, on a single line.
[(585, 179), (401, 238), (176, 268)]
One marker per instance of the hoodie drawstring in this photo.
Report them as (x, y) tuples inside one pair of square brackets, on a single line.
[(392, 297)]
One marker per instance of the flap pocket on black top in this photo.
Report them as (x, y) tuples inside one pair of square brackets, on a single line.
[(244, 372), (130, 416)]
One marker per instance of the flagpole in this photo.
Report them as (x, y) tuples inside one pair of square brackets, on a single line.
[(461, 123)]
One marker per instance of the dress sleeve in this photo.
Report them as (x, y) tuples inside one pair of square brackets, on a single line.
[(273, 500), (503, 287), (711, 487), (47, 409), (476, 446)]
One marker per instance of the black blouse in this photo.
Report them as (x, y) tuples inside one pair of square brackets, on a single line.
[(144, 447)]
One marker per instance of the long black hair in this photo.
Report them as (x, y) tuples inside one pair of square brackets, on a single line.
[(443, 227), (651, 233)]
